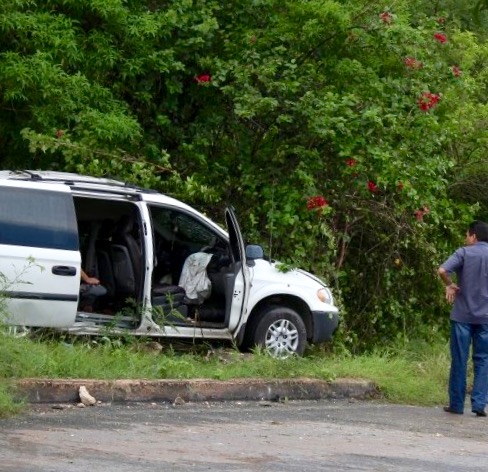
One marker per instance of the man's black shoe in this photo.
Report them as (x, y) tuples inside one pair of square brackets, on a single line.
[(448, 409), (480, 413)]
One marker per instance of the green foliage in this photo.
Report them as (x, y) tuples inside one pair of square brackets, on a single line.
[(412, 373), (8, 404), (273, 106)]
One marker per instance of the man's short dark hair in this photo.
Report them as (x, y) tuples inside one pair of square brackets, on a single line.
[(480, 229)]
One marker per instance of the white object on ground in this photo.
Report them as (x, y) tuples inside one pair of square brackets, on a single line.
[(85, 397)]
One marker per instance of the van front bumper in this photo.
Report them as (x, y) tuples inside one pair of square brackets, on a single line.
[(324, 324)]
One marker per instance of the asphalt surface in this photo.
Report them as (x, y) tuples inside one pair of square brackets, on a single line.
[(285, 436)]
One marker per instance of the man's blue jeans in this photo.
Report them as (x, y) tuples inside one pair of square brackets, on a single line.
[(462, 336), (89, 293)]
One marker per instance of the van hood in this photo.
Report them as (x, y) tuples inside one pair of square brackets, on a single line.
[(313, 277), (298, 276), (267, 279)]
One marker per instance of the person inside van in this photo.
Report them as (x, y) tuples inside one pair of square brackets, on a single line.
[(90, 291)]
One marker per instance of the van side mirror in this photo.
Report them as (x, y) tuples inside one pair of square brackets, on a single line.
[(254, 251)]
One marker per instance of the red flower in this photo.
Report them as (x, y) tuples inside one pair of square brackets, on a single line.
[(441, 37), (59, 133), (400, 186), (386, 17), (456, 71), (372, 187), (428, 100), (203, 78), (412, 63), (420, 213), (316, 202), (350, 162)]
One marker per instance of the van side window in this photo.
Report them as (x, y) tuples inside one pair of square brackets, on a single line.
[(176, 236), (37, 218), (179, 226)]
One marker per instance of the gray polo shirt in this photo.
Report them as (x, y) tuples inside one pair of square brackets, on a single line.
[(470, 263)]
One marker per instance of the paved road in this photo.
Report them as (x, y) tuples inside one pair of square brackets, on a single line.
[(295, 436)]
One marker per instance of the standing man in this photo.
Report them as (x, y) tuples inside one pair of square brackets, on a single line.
[(469, 318)]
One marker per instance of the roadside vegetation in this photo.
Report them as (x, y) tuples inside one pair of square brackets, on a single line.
[(413, 374), (349, 135)]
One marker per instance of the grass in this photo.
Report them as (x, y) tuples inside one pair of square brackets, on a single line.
[(414, 374), (8, 405)]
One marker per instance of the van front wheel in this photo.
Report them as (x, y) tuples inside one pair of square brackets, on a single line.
[(281, 332)]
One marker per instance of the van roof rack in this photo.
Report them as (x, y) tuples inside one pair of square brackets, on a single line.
[(72, 179), (32, 175)]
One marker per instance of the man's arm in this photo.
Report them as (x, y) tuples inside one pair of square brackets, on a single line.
[(89, 280), (451, 287)]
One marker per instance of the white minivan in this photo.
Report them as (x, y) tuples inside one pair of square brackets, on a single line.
[(167, 270)]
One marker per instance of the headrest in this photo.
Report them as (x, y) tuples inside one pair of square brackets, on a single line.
[(125, 225)]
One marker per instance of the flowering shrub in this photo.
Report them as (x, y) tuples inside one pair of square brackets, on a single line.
[(412, 63), (428, 100), (291, 102), (441, 37), (316, 202), (456, 71), (386, 17), (421, 212), (203, 78), (372, 187)]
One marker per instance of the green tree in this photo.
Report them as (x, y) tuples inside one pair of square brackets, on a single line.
[(348, 134)]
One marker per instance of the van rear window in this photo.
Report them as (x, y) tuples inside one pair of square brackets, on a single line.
[(37, 218)]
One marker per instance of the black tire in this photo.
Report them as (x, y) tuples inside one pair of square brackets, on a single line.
[(281, 332)]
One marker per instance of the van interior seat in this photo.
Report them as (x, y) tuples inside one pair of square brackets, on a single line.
[(105, 270), (123, 271), (123, 235), (103, 255)]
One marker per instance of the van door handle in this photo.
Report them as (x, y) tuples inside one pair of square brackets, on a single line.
[(64, 270)]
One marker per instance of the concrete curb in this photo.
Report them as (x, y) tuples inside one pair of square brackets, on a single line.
[(66, 391)]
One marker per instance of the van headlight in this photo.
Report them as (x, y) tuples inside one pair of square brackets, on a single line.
[(325, 296)]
